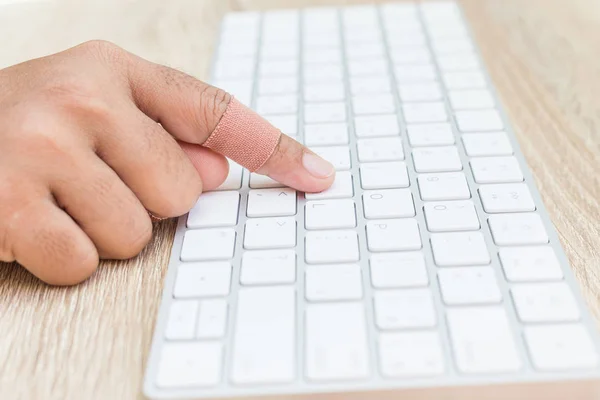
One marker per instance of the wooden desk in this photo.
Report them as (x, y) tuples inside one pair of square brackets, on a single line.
[(92, 340)]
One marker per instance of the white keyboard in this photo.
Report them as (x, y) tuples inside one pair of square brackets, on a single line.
[(429, 266)]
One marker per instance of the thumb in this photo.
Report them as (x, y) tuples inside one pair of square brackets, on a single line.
[(198, 113)]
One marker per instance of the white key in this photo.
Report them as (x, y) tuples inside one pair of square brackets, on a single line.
[(268, 267), (397, 270), (189, 365), (270, 233), (336, 346), (341, 188), (415, 73), (182, 320), (381, 149), (373, 104), (388, 203), (469, 285), (326, 247), (282, 51), (333, 282), (324, 112), (416, 53), (314, 73), (234, 178), (437, 159), (376, 66), (325, 134), (510, 197), (561, 347), (482, 340), (451, 216), (212, 321), (545, 302), (438, 134), (279, 68), (330, 214), (238, 68), (464, 80), (338, 156), (264, 341), (410, 354), (458, 62), (489, 144), (364, 37), (241, 89), (384, 175), (214, 209), (459, 248), (516, 229), (444, 186), (535, 263), (376, 125), (208, 244), (322, 55), (324, 92), (451, 45), (471, 99), (427, 91), (229, 48), (479, 120), (424, 112), (258, 181), (321, 38), (275, 202), (496, 170), (404, 309), (207, 279), (288, 124), (393, 235), (279, 104), (285, 85), (370, 85), (356, 50)]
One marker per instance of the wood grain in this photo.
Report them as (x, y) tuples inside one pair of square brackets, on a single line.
[(91, 341)]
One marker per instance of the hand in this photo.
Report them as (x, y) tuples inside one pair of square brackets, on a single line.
[(83, 159)]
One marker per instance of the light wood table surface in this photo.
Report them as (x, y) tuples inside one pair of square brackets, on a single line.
[(92, 341)]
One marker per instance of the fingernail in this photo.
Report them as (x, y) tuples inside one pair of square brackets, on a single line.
[(317, 166)]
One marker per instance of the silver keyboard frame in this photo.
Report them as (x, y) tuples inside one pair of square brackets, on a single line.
[(378, 387)]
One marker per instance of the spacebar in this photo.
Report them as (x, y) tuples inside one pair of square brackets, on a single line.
[(264, 341)]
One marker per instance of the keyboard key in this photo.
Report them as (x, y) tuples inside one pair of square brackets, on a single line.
[(279, 68), (324, 112), (272, 51), (234, 178), (341, 188), (326, 247), (258, 181), (356, 51), (415, 73), (282, 85), (410, 354), (373, 104), (452, 45), (489, 144), (376, 66), (479, 120), (190, 365), (381, 149), (324, 92), (325, 134), (207, 279), (238, 68), (376, 125), (330, 214), (450, 216), (336, 346), (514, 197), (482, 340), (534, 263), (424, 112), (545, 302), (280, 104), (464, 80), (469, 285), (517, 229), (398, 270), (460, 248), (416, 54), (404, 309), (458, 62), (333, 282), (208, 244), (392, 174), (496, 170), (267, 267), (388, 203), (471, 99), (215, 209), (288, 124), (275, 202), (561, 347), (314, 73), (264, 345), (322, 55), (338, 156), (213, 319), (181, 322), (437, 159), (370, 85), (427, 91), (270, 233), (444, 186), (393, 235), (439, 134)]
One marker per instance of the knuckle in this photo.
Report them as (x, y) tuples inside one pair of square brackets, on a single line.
[(138, 236), (213, 103), (103, 49)]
